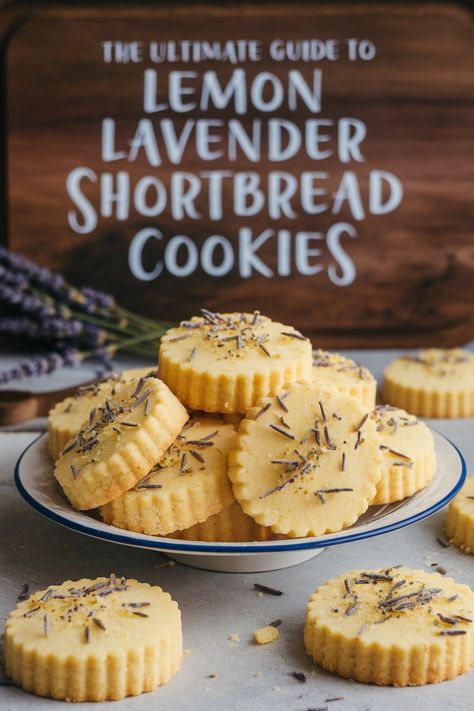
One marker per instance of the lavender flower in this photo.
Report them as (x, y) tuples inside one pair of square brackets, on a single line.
[(24, 302), (54, 329), (12, 279), (40, 306), (49, 328), (101, 298), (54, 283), (41, 365)]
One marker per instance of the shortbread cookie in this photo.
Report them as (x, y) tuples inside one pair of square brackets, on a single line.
[(432, 383), (123, 439), (393, 627), (94, 640), (229, 417), (188, 485), (460, 520), (409, 454), (306, 462), (349, 378), (225, 362), (230, 524), (67, 417)]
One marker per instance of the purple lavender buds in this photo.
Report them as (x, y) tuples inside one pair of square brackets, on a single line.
[(39, 307)]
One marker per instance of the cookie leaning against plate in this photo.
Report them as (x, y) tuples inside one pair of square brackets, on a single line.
[(66, 418), (432, 383), (336, 370), (94, 640), (409, 454), (121, 442), (460, 519), (306, 462), (393, 627), (188, 484), (225, 362), (230, 524)]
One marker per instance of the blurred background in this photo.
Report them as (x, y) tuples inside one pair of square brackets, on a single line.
[(311, 160)]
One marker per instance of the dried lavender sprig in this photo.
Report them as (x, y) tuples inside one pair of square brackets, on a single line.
[(54, 282), (51, 329), (28, 304), (25, 303), (41, 365), (12, 278), (39, 294), (101, 298)]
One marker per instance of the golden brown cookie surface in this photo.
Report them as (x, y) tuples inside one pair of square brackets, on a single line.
[(225, 362), (306, 462), (334, 369), (393, 626), (94, 640), (122, 441), (432, 383), (460, 518), (187, 485), (409, 461)]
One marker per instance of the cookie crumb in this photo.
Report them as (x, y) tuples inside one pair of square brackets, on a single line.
[(166, 564), (265, 635)]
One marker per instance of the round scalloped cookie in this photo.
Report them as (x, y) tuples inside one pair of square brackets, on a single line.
[(123, 439), (409, 454), (225, 362), (188, 484), (394, 626), (94, 640), (432, 383), (66, 418), (306, 462), (460, 519), (334, 369)]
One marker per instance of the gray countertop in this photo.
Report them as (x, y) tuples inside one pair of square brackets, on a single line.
[(215, 606)]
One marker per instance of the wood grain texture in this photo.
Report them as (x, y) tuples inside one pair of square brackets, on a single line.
[(415, 266)]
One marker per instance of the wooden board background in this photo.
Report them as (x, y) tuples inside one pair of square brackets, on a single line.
[(415, 266)]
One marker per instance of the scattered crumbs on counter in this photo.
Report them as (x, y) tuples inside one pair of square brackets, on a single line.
[(212, 675), (258, 675), (233, 639), (300, 676), (166, 564), (276, 688), (441, 570), (187, 652), (265, 635), (442, 542)]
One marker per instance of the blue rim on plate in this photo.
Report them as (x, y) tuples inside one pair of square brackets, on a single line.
[(183, 546)]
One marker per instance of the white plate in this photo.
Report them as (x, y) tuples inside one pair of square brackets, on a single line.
[(35, 482)]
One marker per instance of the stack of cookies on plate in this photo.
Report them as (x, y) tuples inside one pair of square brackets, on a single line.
[(242, 434)]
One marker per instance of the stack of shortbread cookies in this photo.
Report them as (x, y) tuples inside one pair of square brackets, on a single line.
[(244, 433)]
